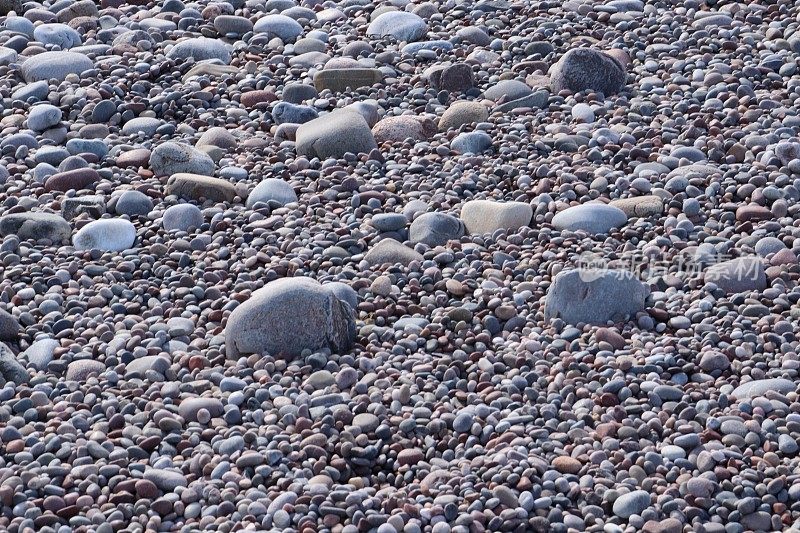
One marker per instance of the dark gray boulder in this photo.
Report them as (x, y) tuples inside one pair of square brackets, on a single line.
[(586, 69)]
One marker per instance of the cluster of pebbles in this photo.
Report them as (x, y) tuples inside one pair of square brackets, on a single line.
[(359, 266)]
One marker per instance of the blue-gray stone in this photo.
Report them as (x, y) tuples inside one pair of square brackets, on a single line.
[(287, 113), (272, 190), (473, 142), (632, 503), (594, 296)]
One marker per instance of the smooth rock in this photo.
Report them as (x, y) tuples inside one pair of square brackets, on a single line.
[(288, 316), (594, 296)]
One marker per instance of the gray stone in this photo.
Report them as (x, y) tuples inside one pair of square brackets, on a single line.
[(389, 221), (632, 503), (172, 158), (288, 316), (640, 206), (196, 187), (400, 25), (769, 245), (166, 480), (200, 49), (272, 190), (344, 292), (486, 216), (506, 496), (341, 79), (392, 252), (10, 369), (367, 422), (755, 388), (463, 113), (108, 235), (400, 128), (54, 65), (473, 142), (189, 408), (40, 353), (36, 226), (93, 205), (592, 217), (35, 91), (9, 327), (43, 116), (219, 137), (536, 100), (231, 24), (182, 217), (594, 296), (508, 90), (582, 69), (57, 34), (742, 274), (140, 366), (296, 93), (144, 125), (133, 203), (286, 113), (81, 369), (435, 229), (284, 28), (335, 134)]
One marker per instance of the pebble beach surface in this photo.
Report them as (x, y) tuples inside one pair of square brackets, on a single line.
[(363, 266)]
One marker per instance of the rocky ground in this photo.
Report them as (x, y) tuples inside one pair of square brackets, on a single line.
[(378, 267)]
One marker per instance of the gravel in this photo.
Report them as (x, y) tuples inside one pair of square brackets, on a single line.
[(399, 266)]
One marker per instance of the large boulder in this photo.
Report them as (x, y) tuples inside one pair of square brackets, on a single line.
[(334, 134), (36, 226), (400, 25), (586, 69), (487, 216), (288, 316), (594, 296)]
